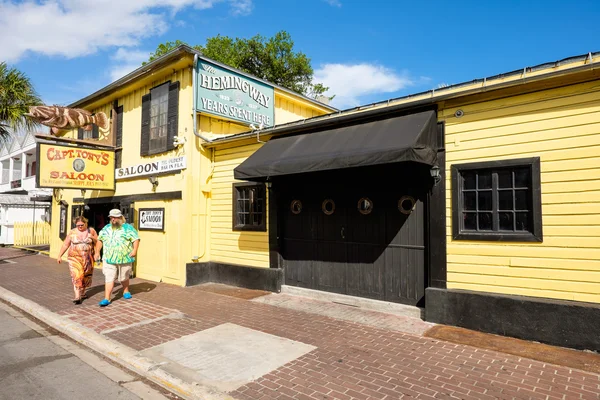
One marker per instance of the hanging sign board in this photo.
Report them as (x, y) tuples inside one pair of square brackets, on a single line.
[(66, 167), (230, 95), (151, 219), (152, 168)]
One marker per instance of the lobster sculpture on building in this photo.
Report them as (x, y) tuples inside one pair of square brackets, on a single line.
[(63, 118)]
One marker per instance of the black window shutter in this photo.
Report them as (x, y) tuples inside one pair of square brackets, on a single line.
[(95, 133), (145, 140), (173, 115), (119, 134), (119, 126), (80, 133)]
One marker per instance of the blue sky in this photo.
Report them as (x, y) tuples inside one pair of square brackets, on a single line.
[(366, 51)]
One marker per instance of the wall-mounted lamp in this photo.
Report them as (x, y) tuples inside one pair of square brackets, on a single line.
[(154, 181), (435, 174), (179, 141)]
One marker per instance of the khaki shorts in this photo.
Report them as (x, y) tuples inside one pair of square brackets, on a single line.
[(111, 271)]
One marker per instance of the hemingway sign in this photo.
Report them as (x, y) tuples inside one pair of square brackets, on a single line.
[(65, 167), (151, 168), (230, 95)]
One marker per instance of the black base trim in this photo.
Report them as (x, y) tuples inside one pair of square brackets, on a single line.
[(269, 279), (556, 322)]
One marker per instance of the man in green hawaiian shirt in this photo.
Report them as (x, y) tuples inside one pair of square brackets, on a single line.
[(120, 241)]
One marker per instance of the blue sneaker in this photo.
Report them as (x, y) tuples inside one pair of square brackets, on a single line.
[(127, 295), (104, 303)]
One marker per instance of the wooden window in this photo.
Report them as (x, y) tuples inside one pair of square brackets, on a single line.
[(91, 134), (160, 110), (119, 135), (497, 201), (249, 207)]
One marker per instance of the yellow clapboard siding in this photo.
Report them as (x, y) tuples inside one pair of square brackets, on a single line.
[(456, 155), (520, 282), (571, 209), (524, 250), (521, 117), (538, 273), (241, 245), (561, 220), (526, 262), (541, 102), (562, 127), (240, 257), (550, 154), (523, 126), (584, 175), (568, 230), (561, 198), (572, 165), (570, 187), (594, 298), (247, 236), (493, 144)]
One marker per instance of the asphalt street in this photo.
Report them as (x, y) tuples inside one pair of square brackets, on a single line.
[(33, 366)]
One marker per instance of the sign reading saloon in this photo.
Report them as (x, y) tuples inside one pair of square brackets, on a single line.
[(230, 95), (151, 168), (65, 167), (151, 219)]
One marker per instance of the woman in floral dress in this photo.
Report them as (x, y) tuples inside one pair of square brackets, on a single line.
[(81, 243)]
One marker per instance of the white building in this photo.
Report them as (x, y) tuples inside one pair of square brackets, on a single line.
[(20, 200)]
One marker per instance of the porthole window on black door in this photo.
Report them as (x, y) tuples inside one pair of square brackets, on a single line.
[(406, 204), (328, 207), (296, 207), (365, 206)]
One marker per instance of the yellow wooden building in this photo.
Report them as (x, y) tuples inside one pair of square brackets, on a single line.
[(174, 178), (479, 202)]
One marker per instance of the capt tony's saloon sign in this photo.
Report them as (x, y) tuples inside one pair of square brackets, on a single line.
[(65, 167)]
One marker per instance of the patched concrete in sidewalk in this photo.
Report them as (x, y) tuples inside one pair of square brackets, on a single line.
[(232, 291), (227, 356), (382, 320)]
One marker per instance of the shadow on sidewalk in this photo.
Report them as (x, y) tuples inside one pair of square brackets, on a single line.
[(136, 288)]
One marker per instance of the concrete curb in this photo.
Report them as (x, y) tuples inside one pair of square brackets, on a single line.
[(119, 353)]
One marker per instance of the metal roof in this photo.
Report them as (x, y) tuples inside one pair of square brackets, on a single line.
[(165, 59)]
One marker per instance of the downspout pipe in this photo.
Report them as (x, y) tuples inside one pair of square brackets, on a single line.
[(194, 96)]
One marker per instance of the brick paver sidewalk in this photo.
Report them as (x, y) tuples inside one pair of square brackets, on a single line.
[(351, 360)]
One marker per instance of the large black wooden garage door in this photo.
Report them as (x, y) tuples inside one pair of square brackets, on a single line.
[(378, 254)]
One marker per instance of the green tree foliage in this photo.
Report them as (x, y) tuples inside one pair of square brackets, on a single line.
[(16, 96), (272, 59)]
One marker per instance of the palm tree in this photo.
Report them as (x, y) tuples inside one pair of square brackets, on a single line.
[(16, 96)]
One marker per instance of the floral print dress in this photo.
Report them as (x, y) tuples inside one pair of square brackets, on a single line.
[(81, 260)]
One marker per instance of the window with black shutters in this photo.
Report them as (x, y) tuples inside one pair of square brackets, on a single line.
[(160, 119), (497, 201), (119, 135), (249, 207), (91, 134)]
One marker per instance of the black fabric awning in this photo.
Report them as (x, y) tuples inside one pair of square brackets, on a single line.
[(406, 138)]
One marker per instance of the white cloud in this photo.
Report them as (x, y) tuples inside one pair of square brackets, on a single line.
[(126, 60), (349, 82), (334, 3), (73, 28)]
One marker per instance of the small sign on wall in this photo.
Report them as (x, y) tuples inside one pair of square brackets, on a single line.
[(151, 219), (62, 230)]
